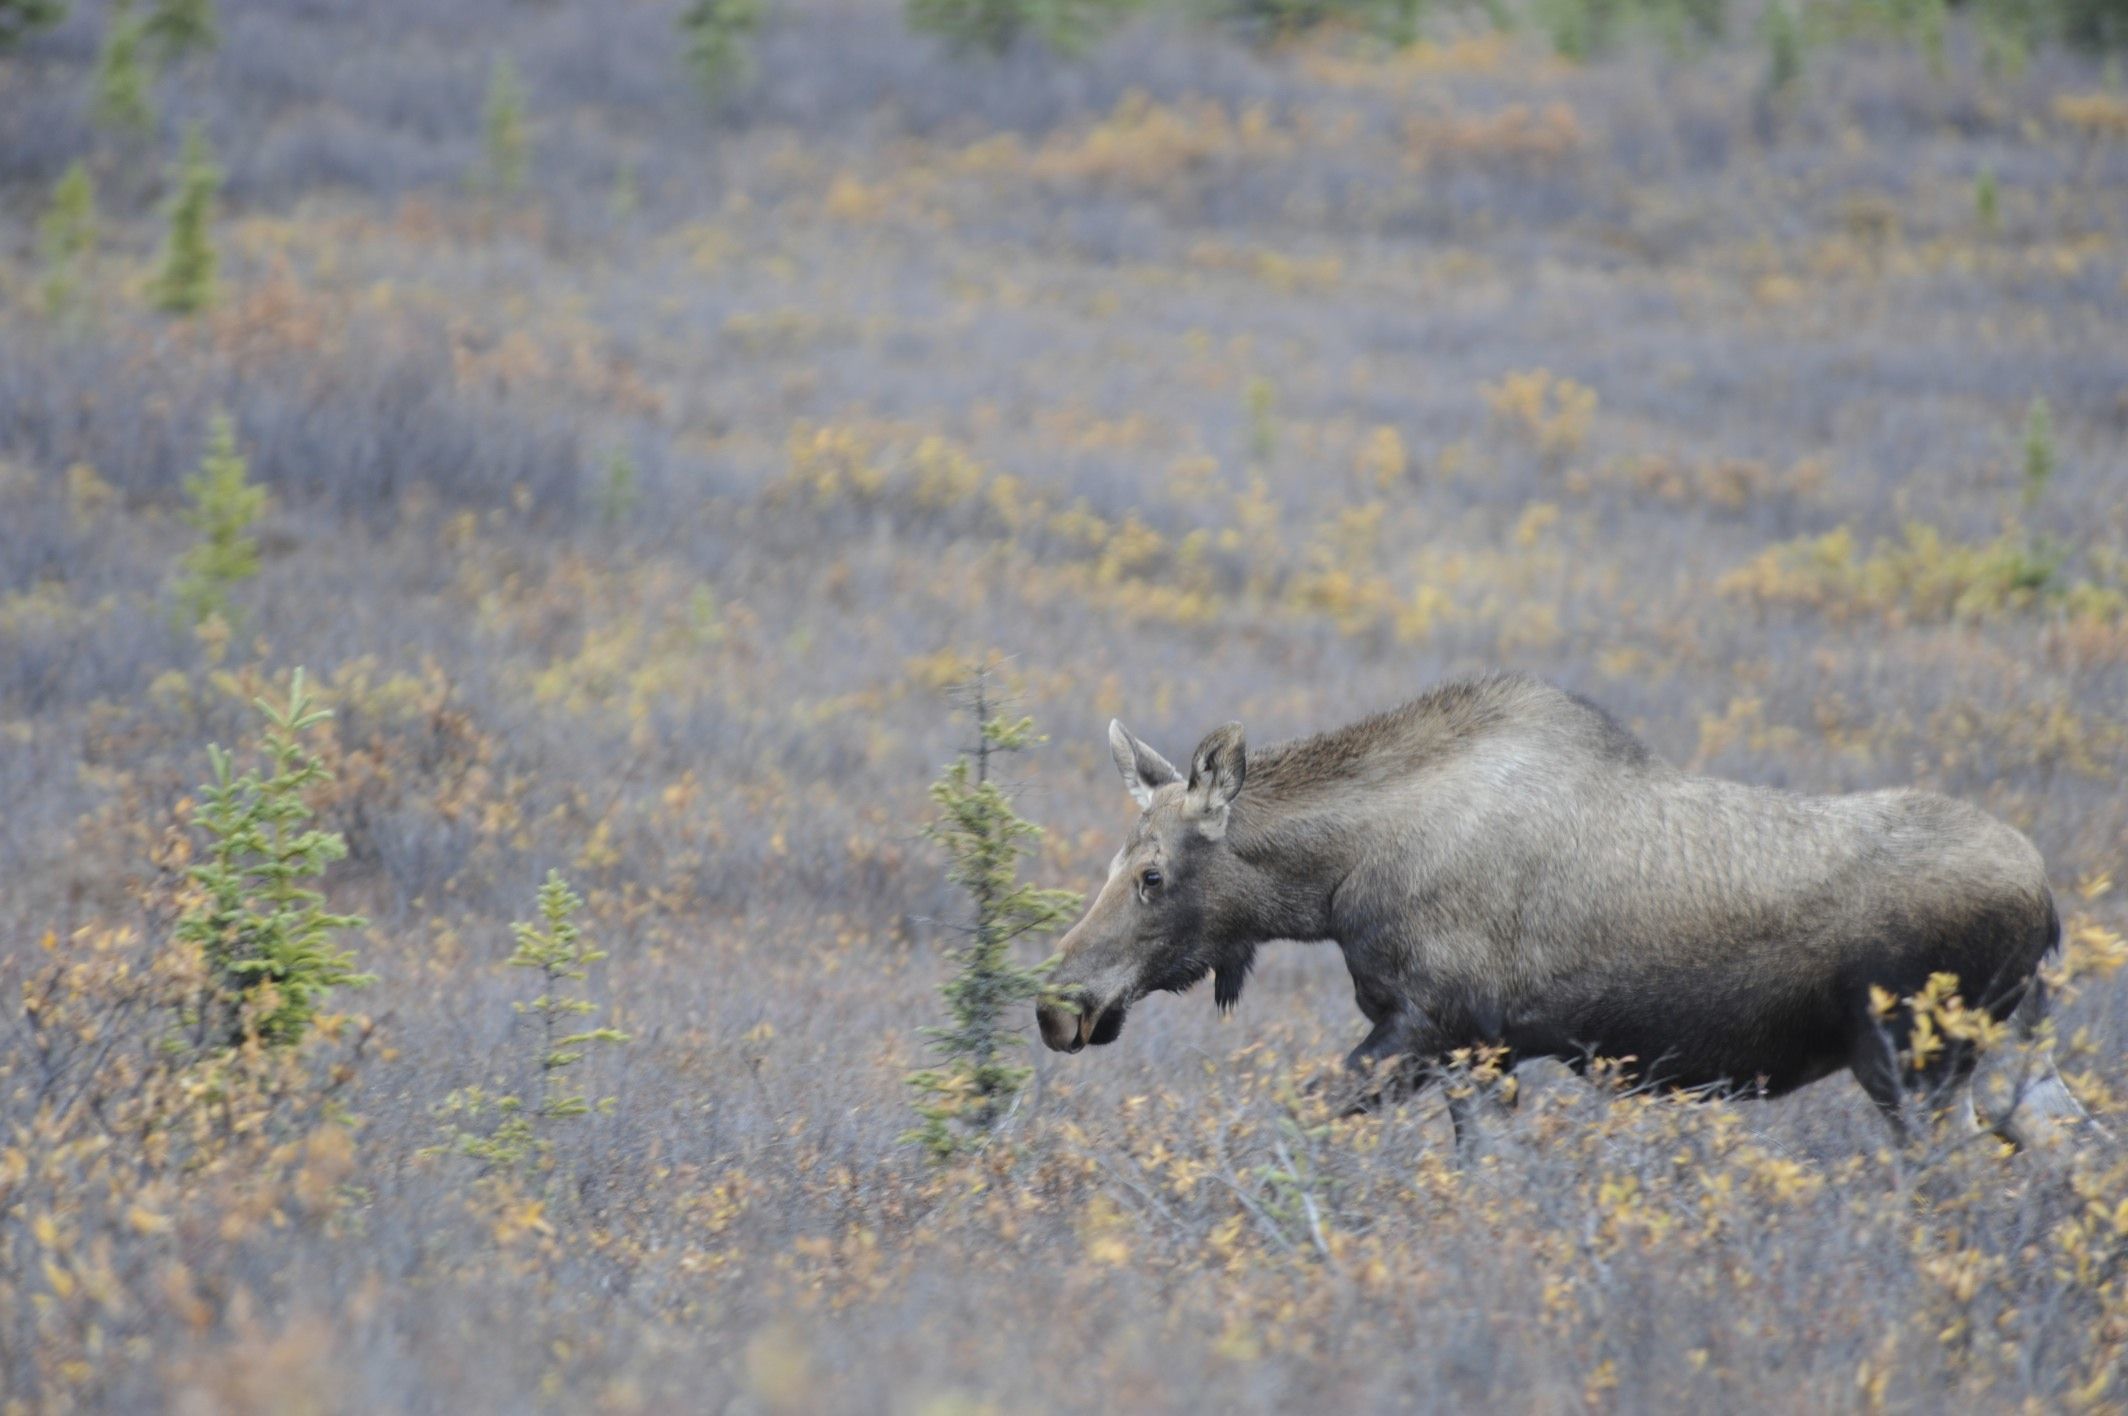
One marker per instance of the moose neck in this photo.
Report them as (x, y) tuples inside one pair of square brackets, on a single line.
[(1288, 865), (1296, 831)]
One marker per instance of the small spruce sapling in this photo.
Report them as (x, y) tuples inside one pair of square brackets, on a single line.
[(557, 948), (1263, 421), (2039, 452), (2041, 561), (1270, 22), (1581, 29), (1930, 20), (184, 284), (223, 504), (1784, 47), (716, 33), (119, 85), (500, 1129), (264, 933), (1068, 27), (507, 145), (1400, 22), (618, 496), (20, 19), (177, 28), (66, 239), (627, 197), (2007, 29), (964, 1097)]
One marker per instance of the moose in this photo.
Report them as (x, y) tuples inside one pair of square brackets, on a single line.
[(1504, 865)]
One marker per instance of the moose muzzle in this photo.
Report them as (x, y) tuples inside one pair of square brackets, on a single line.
[(1071, 1024)]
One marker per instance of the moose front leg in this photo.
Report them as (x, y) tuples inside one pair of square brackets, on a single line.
[(1403, 1054), (1389, 1064)]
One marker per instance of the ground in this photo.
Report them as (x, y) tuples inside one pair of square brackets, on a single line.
[(638, 524)]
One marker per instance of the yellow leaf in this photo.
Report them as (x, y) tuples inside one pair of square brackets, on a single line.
[(146, 1221), (2087, 1396)]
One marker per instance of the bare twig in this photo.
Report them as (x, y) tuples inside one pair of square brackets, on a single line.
[(1307, 1202)]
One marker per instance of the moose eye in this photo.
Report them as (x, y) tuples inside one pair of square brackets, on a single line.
[(1150, 880)]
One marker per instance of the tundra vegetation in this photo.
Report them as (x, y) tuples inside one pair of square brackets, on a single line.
[(636, 527)]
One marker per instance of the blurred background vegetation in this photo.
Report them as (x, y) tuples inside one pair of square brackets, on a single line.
[(639, 417)]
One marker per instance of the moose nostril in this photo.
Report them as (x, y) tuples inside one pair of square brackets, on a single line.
[(1059, 1027)]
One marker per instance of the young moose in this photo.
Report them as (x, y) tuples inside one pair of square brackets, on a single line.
[(1503, 864)]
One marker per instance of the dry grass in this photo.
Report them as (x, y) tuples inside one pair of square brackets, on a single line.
[(1189, 384)]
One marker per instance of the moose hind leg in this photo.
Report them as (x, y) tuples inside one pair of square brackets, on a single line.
[(2028, 1104), (2044, 1112), (1463, 1117), (1950, 1093), (1874, 1059), (2026, 1101), (1374, 1084)]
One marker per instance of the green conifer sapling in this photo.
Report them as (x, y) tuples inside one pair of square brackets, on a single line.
[(2039, 452), (184, 284), (963, 1097), (716, 33), (19, 19), (265, 934), (1784, 47), (223, 504), (498, 1128), (120, 85), (507, 144), (995, 26), (177, 28), (556, 947), (66, 238)]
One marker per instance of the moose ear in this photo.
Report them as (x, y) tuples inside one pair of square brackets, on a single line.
[(1216, 770), (1144, 770)]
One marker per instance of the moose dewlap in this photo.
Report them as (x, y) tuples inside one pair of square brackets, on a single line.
[(1502, 863)]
